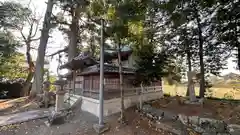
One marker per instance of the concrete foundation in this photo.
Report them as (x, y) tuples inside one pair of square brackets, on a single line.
[(113, 106)]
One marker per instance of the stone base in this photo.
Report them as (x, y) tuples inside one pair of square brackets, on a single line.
[(197, 102), (56, 118), (113, 106), (101, 128)]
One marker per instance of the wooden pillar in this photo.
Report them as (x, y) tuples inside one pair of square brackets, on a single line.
[(90, 83), (83, 85), (74, 81)]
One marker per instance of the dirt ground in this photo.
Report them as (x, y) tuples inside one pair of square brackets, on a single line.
[(17, 105), (136, 126), (222, 110), (81, 123)]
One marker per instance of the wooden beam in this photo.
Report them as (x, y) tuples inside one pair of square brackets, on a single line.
[(74, 81)]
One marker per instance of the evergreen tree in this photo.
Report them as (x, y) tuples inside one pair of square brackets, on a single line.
[(194, 27), (228, 21)]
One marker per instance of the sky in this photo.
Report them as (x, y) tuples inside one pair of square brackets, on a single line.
[(57, 40)]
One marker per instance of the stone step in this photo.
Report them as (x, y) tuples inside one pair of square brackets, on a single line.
[(72, 100), (72, 96)]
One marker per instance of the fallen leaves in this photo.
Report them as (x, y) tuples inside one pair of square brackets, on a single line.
[(9, 127), (217, 109)]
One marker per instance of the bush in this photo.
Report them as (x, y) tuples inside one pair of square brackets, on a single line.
[(11, 88), (229, 95), (209, 93)]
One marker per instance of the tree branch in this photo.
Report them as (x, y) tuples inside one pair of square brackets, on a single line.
[(33, 48), (58, 21), (21, 32), (59, 51), (36, 28), (30, 30), (35, 39)]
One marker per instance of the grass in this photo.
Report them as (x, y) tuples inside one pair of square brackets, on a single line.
[(216, 92)]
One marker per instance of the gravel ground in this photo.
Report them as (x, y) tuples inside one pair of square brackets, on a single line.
[(81, 123)]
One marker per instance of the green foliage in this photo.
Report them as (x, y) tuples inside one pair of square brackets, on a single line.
[(13, 67), (228, 21), (229, 95), (52, 79), (162, 33), (209, 93), (98, 8), (9, 58), (8, 45), (149, 65), (13, 15)]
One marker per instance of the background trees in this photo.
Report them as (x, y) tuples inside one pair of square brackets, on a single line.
[(162, 34)]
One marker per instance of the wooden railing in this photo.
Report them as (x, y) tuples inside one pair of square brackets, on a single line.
[(115, 93)]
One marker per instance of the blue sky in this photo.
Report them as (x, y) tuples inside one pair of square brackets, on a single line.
[(57, 40)]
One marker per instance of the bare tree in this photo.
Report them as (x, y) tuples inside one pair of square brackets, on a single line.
[(26, 23), (33, 24)]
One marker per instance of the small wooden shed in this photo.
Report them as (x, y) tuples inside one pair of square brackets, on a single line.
[(85, 73)]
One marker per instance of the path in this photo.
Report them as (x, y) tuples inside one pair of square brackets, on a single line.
[(81, 124), (22, 117)]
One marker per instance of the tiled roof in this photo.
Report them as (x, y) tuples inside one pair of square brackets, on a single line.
[(82, 56), (81, 61), (113, 53), (107, 69), (84, 59)]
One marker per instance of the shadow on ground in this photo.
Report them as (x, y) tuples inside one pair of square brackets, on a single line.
[(81, 123)]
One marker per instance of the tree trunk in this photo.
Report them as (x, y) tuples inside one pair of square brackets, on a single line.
[(189, 63), (122, 117), (39, 71), (72, 49), (27, 84), (237, 44), (92, 46), (202, 79), (238, 56)]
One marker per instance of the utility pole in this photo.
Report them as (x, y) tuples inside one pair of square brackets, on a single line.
[(101, 126), (101, 98)]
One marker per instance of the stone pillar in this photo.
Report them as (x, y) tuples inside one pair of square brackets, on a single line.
[(191, 75), (46, 89), (59, 95)]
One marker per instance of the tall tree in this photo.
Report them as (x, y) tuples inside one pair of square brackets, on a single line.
[(117, 15), (228, 20), (38, 78), (76, 9), (199, 18), (12, 17)]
